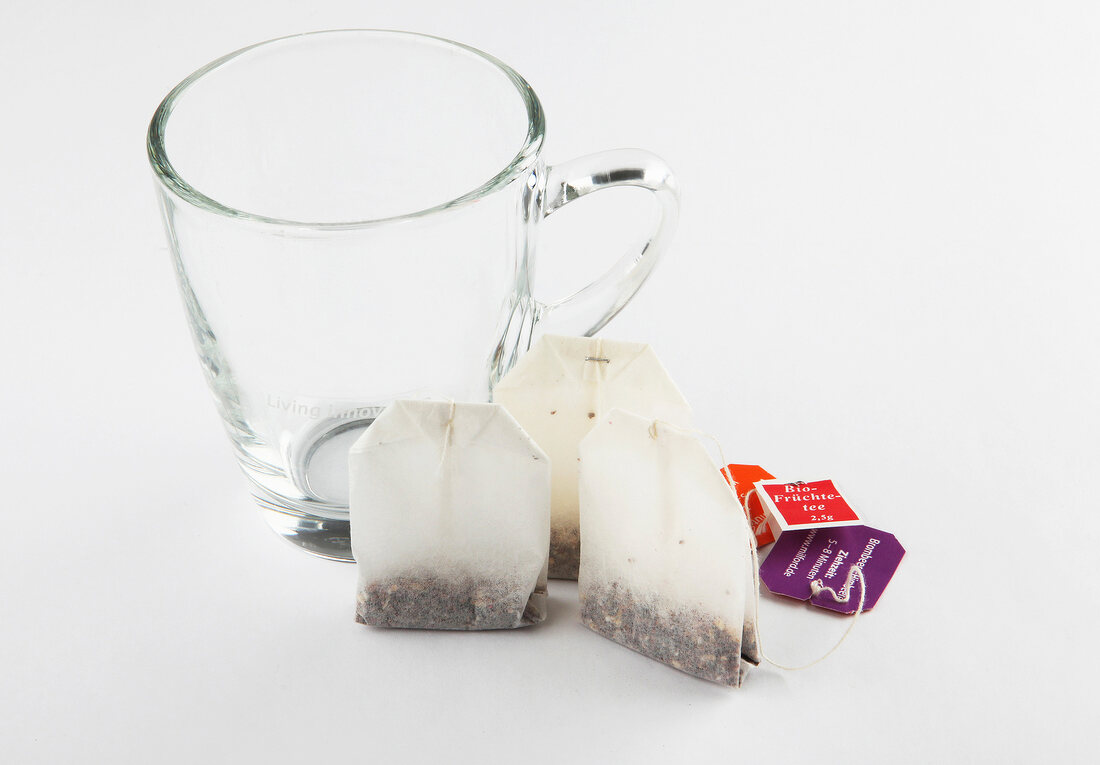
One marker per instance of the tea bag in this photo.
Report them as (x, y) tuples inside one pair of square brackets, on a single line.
[(666, 566), (559, 390), (450, 518)]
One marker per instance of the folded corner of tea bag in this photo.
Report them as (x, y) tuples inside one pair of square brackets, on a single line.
[(558, 391)]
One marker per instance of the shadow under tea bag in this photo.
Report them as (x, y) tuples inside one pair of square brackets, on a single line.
[(450, 519), (559, 390), (666, 566)]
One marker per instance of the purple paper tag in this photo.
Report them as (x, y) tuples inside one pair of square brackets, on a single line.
[(800, 557)]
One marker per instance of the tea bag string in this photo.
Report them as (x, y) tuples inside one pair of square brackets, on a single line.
[(600, 372), (448, 435), (816, 587), (748, 513)]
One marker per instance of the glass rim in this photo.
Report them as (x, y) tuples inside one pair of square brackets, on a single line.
[(174, 182)]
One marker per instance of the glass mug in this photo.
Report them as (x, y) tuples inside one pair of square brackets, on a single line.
[(353, 218)]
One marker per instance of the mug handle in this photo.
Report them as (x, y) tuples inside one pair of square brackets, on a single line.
[(587, 311)]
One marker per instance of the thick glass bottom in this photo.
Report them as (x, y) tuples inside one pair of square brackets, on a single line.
[(324, 537)]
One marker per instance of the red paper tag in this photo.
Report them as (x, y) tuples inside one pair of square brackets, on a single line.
[(744, 476), (805, 505)]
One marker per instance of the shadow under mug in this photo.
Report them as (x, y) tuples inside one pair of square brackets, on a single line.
[(353, 217)]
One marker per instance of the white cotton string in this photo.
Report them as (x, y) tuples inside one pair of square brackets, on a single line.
[(696, 432), (748, 513), (448, 435), (600, 371), (816, 587)]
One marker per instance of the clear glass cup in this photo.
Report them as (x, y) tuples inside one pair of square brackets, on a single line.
[(353, 218)]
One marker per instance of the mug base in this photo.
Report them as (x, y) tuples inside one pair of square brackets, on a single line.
[(324, 537)]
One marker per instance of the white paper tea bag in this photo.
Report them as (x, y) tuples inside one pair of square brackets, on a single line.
[(559, 390), (666, 564), (450, 518)]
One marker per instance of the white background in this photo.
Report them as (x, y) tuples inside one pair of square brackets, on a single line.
[(885, 273)]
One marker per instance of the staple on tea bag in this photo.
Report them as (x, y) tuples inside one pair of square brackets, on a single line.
[(450, 518), (559, 390), (666, 565)]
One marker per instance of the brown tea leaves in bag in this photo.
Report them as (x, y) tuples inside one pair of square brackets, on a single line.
[(450, 519)]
